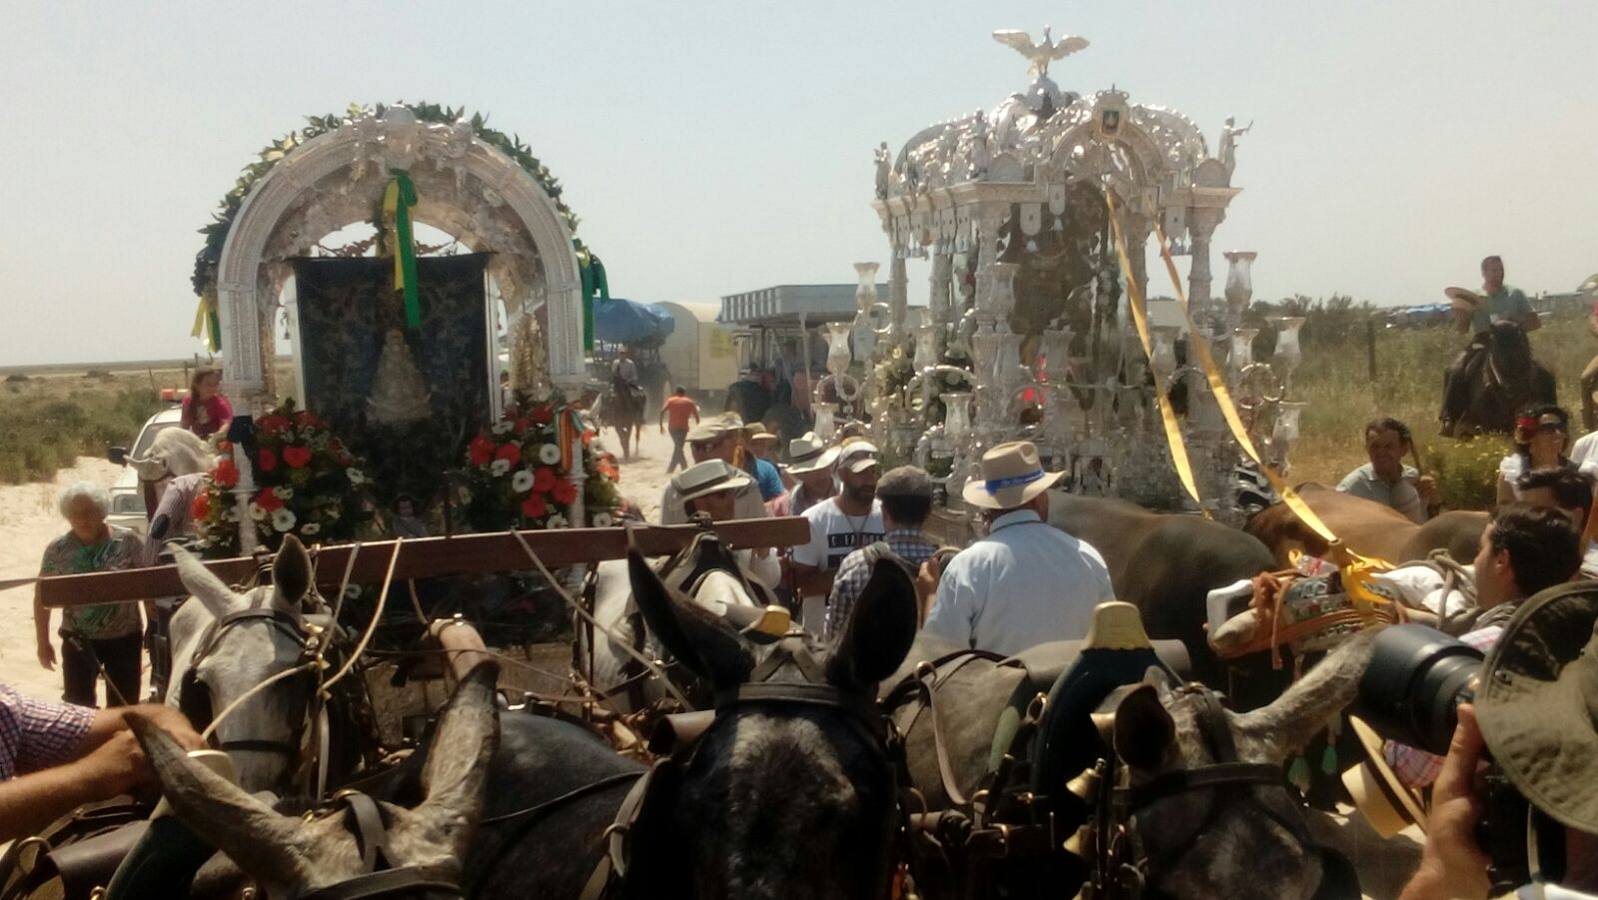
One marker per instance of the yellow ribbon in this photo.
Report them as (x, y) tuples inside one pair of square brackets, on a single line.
[(1173, 429)]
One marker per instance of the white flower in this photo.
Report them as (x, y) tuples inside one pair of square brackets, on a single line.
[(283, 519), (499, 467), (258, 512), (502, 428), (356, 476), (602, 520), (284, 492), (522, 481), (556, 521), (310, 528), (549, 454)]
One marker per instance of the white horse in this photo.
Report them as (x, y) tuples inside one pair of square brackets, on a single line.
[(175, 451), (224, 644)]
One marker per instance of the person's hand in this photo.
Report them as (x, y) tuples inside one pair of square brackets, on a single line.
[(927, 578), (46, 655), (1426, 487), (174, 723), (1453, 866), (117, 766)]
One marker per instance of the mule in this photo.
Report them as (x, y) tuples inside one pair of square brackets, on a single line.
[(225, 644), (292, 856), (623, 410), (1365, 527), (1501, 381)]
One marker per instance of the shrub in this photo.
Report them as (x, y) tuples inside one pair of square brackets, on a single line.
[(41, 432), (1467, 471)]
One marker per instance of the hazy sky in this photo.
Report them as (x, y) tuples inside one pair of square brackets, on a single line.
[(716, 147)]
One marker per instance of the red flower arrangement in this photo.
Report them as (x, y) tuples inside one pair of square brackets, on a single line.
[(515, 476)]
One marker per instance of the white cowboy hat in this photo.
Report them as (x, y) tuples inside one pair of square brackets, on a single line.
[(808, 453), (1011, 476), (708, 477)]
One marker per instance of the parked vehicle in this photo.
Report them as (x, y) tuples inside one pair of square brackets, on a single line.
[(127, 495)]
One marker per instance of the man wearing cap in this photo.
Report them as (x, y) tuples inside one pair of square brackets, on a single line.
[(810, 462), (905, 495), (712, 487), (714, 438), (838, 526), (1027, 582)]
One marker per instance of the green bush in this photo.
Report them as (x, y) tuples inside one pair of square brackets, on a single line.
[(1467, 471), (42, 432)]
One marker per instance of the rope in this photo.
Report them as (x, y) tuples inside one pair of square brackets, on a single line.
[(587, 616), (211, 728), (371, 628)]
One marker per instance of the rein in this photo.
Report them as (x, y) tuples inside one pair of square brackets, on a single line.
[(379, 877)]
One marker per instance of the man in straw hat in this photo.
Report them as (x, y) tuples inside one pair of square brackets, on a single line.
[(838, 526), (810, 462), (1475, 314), (756, 448), (1536, 715), (1027, 582), (714, 438), (712, 488)]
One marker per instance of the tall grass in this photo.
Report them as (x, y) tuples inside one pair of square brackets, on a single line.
[(45, 426), (1335, 380)]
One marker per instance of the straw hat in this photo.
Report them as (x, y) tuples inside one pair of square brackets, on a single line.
[(808, 453), (1387, 804), (714, 427), (708, 477), (1011, 476), (1538, 703), (762, 437), (1463, 299)]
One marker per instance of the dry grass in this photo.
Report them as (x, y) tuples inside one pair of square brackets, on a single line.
[(1335, 380), (48, 420)]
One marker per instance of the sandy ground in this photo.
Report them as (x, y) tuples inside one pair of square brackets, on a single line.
[(28, 523), (644, 477)]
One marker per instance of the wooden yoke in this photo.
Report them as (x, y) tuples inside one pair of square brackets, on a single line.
[(467, 554)]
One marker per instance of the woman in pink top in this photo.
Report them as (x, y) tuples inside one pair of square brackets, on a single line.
[(205, 410)]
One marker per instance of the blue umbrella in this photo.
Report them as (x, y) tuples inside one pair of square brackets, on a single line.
[(618, 321)]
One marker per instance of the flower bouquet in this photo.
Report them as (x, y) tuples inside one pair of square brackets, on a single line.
[(307, 484), (516, 472)]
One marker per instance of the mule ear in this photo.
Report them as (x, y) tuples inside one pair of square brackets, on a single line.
[(262, 842), (696, 637), (458, 761), (291, 572), (880, 630), (215, 596), (1144, 731)]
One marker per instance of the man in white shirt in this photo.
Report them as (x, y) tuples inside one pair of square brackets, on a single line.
[(715, 438), (1027, 582), (838, 526), (1385, 479)]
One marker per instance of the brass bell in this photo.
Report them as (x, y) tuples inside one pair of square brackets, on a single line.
[(1084, 843), (1085, 786)]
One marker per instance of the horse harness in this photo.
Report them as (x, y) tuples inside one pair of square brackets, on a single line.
[(637, 861), (189, 698), (379, 876)]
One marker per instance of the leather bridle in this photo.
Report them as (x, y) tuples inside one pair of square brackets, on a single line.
[(1123, 867), (379, 876), (286, 621)]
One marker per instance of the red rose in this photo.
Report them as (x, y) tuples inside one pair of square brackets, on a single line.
[(565, 493), (201, 508), (543, 414), (480, 450), (268, 500), (543, 479), (522, 425), (534, 507), (226, 473), (297, 457), (272, 424), (509, 453), (224, 446), (266, 461), (306, 420)]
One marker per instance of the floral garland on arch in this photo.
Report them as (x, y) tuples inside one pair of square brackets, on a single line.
[(307, 484), (515, 474)]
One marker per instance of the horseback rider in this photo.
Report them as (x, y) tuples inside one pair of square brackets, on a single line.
[(1475, 315)]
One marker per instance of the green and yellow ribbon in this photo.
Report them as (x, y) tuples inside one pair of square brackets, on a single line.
[(594, 284), (207, 322), (398, 199)]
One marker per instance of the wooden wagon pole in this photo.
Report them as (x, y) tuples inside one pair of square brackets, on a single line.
[(467, 554)]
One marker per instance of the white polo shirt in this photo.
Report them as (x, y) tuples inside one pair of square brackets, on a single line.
[(1024, 584)]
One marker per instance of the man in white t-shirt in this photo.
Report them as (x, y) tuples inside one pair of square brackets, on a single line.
[(838, 526)]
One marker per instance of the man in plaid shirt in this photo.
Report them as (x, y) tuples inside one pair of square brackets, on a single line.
[(1523, 551), (906, 497), (55, 757)]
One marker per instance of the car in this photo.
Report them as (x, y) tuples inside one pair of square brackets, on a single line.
[(127, 495)]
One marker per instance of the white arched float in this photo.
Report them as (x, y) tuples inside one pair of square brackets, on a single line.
[(465, 187)]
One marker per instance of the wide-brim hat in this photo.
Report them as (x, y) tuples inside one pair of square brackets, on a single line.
[(762, 437), (714, 427), (1012, 475), (1537, 703), (1387, 804), (808, 453), (1463, 299), (708, 477)]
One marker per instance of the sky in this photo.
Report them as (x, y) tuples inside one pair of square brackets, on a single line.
[(716, 147)]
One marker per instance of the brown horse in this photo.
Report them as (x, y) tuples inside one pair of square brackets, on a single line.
[(1501, 379), (1366, 527)]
